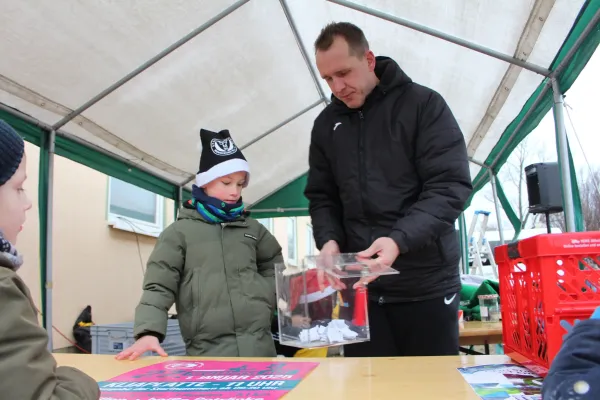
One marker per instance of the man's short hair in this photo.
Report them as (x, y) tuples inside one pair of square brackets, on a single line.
[(354, 36)]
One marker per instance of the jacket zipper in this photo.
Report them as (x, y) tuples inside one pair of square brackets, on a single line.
[(362, 173), (223, 225), (195, 304)]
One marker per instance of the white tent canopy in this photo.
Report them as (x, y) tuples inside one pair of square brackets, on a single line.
[(125, 87), (244, 69)]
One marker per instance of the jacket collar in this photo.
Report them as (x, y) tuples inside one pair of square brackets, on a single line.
[(9, 257), (187, 211)]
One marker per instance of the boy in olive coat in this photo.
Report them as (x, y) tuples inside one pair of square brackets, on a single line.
[(215, 263), (27, 369)]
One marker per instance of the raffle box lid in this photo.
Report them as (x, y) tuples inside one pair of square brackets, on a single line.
[(323, 302), (347, 265)]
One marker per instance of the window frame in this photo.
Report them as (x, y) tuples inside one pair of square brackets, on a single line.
[(130, 224), (310, 241), (293, 261), (269, 224)]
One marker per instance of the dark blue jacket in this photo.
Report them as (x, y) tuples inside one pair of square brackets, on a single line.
[(575, 372)]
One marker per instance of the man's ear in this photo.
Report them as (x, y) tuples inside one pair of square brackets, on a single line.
[(370, 60)]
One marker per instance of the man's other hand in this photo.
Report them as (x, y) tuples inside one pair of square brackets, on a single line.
[(386, 251)]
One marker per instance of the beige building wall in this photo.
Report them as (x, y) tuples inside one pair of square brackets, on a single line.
[(94, 263)]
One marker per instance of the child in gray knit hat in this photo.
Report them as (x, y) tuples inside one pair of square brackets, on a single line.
[(27, 368)]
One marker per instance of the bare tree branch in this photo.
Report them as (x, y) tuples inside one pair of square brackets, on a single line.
[(513, 173), (590, 203)]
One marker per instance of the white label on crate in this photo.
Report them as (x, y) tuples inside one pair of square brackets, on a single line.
[(484, 312), (119, 345), (582, 243)]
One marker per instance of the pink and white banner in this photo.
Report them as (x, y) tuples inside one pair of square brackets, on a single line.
[(207, 380)]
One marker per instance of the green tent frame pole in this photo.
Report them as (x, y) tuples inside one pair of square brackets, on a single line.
[(563, 156), (496, 205), (45, 197)]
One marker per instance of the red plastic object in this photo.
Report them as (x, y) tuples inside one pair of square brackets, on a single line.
[(360, 307), (547, 283)]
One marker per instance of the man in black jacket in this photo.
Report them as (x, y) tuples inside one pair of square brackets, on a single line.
[(389, 173)]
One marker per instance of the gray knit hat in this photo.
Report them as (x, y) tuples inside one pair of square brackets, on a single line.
[(12, 148)]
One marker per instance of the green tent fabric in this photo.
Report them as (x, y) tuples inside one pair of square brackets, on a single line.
[(579, 225), (470, 302), (466, 293), (291, 195), (508, 210)]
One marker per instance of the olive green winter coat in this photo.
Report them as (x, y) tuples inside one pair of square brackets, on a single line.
[(27, 369), (221, 278)]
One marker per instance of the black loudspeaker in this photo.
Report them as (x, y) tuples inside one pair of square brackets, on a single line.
[(543, 188)]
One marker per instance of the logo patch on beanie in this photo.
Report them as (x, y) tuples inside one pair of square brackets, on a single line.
[(223, 147)]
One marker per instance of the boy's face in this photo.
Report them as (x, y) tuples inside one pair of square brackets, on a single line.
[(14, 204), (227, 188)]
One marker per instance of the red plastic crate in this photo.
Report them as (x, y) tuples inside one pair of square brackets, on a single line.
[(547, 283)]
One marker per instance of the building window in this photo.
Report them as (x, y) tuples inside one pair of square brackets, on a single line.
[(267, 223), (310, 241), (292, 252), (134, 209)]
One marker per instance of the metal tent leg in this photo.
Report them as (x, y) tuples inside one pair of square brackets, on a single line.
[(46, 190), (497, 206), (563, 156)]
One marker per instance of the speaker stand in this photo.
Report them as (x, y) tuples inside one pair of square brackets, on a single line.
[(548, 222)]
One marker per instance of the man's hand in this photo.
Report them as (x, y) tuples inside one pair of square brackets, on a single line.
[(329, 249), (386, 251)]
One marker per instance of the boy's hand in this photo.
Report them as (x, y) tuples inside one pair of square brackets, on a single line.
[(142, 345)]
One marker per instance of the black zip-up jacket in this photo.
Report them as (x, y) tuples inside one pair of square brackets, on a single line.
[(397, 167)]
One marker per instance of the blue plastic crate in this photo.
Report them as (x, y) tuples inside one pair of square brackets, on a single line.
[(114, 338)]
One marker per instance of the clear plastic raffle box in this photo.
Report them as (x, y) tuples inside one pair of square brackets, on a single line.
[(323, 302)]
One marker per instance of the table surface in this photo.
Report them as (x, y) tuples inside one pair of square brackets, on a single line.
[(337, 377), (478, 328)]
